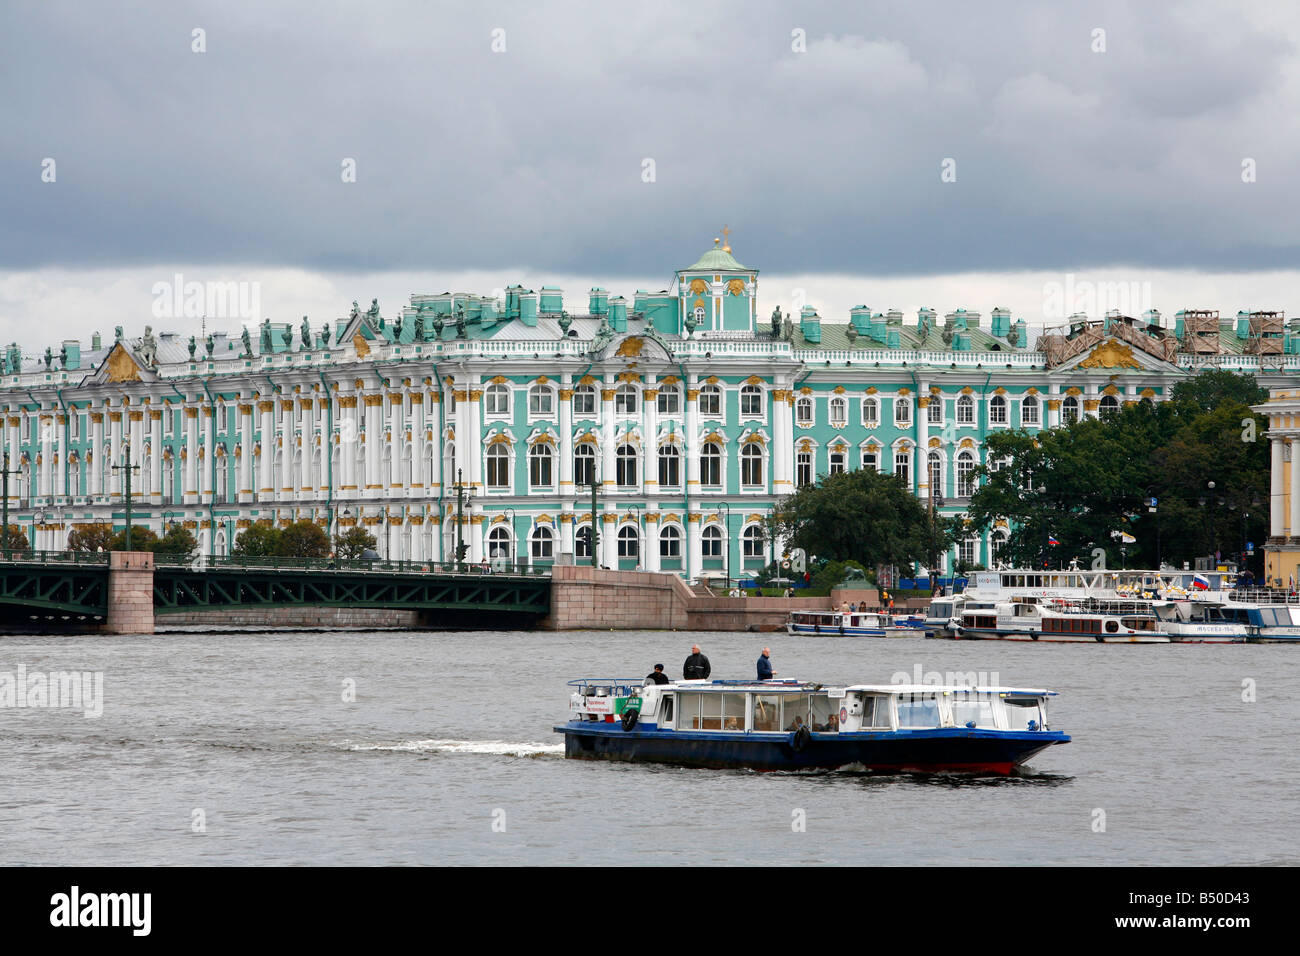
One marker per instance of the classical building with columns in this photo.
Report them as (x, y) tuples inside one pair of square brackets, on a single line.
[(691, 412), (1282, 549)]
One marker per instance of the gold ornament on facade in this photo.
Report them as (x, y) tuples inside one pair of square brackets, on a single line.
[(1110, 390), (607, 394), (736, 286), (711, 380), (631, 347), (1091, 404), (121, 367), (359, 343), (1053, 404), (1111, 354), (698, 287)]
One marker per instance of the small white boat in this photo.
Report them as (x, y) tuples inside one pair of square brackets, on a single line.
[(1060, 621), (847, 624)]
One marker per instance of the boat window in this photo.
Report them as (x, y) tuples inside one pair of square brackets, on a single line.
[(722, 712), (941, 610), (1021, 712), (688, 711), (918, 710), (969, 707), (815, 710), (666, 710), (875, 713), (767, 712)]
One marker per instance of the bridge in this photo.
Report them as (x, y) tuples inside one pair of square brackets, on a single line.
[(124, 592)]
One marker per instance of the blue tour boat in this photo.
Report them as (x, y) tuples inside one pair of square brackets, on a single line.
[(798, 725)]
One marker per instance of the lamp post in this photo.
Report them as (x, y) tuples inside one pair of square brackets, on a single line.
[(461, 494), (726, 544), (4, 476), (1204, 501), (512, 551), (594, 537), (635, 511), (127, 468)]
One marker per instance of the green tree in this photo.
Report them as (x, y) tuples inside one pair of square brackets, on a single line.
[(91, 537), (257, 541), (142, 539), (863, 516), (17, 539), (303, 539), (177, 543), (354, 542)]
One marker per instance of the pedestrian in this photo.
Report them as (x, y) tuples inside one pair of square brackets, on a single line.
[(657, 676), (696, 666), (765, 671)]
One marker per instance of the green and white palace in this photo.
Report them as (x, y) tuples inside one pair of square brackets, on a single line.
[(691, 409)]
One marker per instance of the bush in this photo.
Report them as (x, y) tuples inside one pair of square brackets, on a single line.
[(353, 543)]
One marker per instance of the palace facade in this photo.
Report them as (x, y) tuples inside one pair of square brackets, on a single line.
[(690, 412)]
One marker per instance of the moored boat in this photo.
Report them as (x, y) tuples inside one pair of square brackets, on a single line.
[(798, 725), (848, 624)]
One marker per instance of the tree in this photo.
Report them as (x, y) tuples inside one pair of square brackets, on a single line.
[(354, 542), (303, 539), (863, 516), (17, 539), (177, 543), (91, 537), (142, 539), (257, 541)]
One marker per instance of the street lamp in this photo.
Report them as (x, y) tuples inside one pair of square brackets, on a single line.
[(510, 539), (726, 544), (462, 492), (635, 511)]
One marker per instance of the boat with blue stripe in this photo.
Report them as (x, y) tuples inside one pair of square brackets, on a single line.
[(800, 725)]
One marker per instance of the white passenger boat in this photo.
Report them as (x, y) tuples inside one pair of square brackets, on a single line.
[(1089, 620), (1202, 622), (847, 624)]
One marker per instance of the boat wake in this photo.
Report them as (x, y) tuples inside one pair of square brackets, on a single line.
[(495, 748)]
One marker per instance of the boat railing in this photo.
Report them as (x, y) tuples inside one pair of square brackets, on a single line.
[(1263, 596), (616, 686), (1106, 606)]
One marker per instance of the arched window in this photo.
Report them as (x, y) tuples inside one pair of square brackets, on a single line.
[(902, 411), (1029, 410), (1070, 410), (670, 542), (803, 468), (935, 461), (1109, 406), (839, 411), (903, 465), (803, 410), (700, 316), (500, 545), (670, 466), (584, 401), (934, 410), (448, 463), (498, 466), (711, 401), (711, 464), (629, 542), (669, 401), (496, 400), (965, 410), (870, 412), (752, 542), (540, 471), (625, 400), (543, 543), (582, 542), (751, 464), (711, 542), (965, 482), (584, 464), (541, 400), (751, 401), (998, 410), (626, 466)]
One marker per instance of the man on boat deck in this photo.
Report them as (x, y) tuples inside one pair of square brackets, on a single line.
[(765, 671), (696, 666), (657, 676)]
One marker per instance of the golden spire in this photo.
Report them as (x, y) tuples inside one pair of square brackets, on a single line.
[(726, 243)]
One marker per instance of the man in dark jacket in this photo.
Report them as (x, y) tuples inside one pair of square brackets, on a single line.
[(765, 671), (696, 666), (657, 676)]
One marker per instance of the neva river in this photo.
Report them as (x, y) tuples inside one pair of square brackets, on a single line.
[(248, 738)]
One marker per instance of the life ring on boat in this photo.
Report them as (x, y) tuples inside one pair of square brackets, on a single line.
[(799, 739), (630, 718)]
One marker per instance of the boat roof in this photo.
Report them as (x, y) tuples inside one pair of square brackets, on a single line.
[(811, 686)]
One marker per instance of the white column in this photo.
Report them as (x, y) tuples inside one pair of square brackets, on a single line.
[(469, 443), (245, 489), (433, 479), (135, 436), (266, 467), (565, 449), (650, 540), (307, 424), (1295, 487), (191, 487), (288, 476), (693, 548), (61, 471), (782, 443), (608, 541), (607, 427), (923, 441), (46, 424), (156, 456), (1277, 516), (650, 428), (419, 451)]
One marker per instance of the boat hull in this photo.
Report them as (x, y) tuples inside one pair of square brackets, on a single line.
[(1050, 637), (945, 750), (853, 631)]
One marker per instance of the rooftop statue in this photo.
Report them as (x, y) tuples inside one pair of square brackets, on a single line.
[(461, 331), (604, 335), (117, 333), (210, 345), (373, 313), (149, 347), (776, 322), (193, 347), (267, 345), (419, 324), (356, 310), (49, 358), (306, 333), (248, 343), (325, 335)]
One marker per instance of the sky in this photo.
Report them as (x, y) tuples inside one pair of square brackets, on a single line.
[(897, 155)]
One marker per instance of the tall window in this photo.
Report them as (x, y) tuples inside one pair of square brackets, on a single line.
[(541, 400), (751, 464), (625, 466), (998, 410), (752, 541), (500, 544), (839, 460), (902, 411), (625, 400), (936, 473), (903, 465), (711, 542), (1070, 410), (629, 542), (711, 401), (670, 542), (839, 411), (669, 401), (543, 543), (498, 466), (934, 411), (584, 401), (870, 412), (965, 410), (803, 468), (1109, 407), (496, 400), (711, 464), (803, 411), (670, 470), (970, 550), (1029, 410), (870, 459), (965, 481), (751, 401), (584, 464), (582, 542), (540, 470)]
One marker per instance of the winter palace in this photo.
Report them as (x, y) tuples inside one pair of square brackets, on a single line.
[(690, 411)]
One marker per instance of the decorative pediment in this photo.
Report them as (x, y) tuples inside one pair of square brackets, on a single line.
[(121, 365)]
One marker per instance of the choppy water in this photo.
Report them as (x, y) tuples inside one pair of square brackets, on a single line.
[(450, 733)]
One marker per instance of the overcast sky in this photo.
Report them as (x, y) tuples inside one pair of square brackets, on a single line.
[(608, 143)]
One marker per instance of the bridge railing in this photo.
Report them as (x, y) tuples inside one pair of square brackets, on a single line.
[(15, 556), (376, 566)]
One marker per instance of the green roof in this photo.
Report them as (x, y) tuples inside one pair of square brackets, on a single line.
[(717, 260)]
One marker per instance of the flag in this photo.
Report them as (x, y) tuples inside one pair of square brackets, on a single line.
[(1200, 583), (1126, 538), (1051, 539)]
